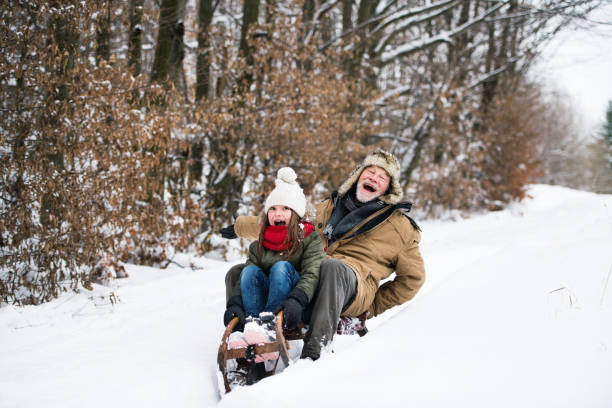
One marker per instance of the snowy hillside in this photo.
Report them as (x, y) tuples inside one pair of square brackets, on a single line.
[(516, 312)]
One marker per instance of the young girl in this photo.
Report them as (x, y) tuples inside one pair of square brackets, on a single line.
[(282, 271)]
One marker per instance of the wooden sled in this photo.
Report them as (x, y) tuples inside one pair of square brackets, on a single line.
[(245, 357), (235, 365)]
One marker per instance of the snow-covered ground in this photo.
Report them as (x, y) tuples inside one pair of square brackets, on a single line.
[(516, 312)]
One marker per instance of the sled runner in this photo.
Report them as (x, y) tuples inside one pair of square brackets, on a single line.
[(238, 366)]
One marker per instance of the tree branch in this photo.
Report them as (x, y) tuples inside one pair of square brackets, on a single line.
[(447, 36), (405, 25)]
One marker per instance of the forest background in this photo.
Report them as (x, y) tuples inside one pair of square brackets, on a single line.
[(132, 129)]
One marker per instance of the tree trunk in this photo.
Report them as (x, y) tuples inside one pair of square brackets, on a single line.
[(308, 10), (103, 35), (205, 16), (366, 41), (347, 15), (364, 13), (250, 14), (459, 50), (491, 83), (135, 37), (169, 50)]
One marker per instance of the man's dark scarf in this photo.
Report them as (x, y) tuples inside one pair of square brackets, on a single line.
[(349, 212)]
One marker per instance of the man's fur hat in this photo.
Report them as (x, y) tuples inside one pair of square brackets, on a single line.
[(386, 161)]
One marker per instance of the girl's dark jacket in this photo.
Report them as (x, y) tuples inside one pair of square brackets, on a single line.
[(306, 260)]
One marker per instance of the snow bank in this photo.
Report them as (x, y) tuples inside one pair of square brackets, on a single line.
[(516, 311)]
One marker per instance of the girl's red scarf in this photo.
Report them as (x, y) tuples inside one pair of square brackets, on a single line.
[(274, 236)]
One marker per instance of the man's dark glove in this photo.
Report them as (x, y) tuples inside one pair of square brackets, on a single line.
[(292, 308), (234, 309), (228, 232)]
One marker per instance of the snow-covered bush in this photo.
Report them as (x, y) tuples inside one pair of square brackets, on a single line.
[(78, 159)]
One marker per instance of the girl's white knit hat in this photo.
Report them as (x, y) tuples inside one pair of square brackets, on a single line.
[(287, 192)]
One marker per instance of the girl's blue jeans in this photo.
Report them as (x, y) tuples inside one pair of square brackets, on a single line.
[(261, 293)]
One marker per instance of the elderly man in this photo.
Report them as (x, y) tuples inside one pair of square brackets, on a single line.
[(367, 236)]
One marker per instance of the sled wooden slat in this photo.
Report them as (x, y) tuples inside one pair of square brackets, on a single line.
[(259, 349)]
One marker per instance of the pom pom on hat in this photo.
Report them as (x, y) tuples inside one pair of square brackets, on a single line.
[(287, 192), (286, 174)]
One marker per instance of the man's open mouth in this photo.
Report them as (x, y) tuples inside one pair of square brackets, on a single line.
[(369, 187)]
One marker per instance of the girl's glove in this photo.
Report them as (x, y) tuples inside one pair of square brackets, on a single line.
[(292, 308), (234, 309)]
